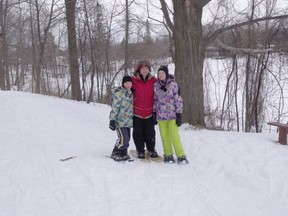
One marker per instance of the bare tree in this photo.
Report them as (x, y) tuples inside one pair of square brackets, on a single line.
[(258, 42), (20, 57), (126, 42), (4, 74), (190, 43), (94, 40), (72, 46), (92, 52)]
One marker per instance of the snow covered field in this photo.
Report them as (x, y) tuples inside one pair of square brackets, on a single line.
[(230, 174)]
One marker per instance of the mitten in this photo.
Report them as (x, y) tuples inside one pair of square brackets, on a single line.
[(155, 122), (112, 125), (178, 119)]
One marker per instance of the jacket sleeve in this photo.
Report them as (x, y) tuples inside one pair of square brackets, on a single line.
[(155, 98), (115, 106), (177, 98)]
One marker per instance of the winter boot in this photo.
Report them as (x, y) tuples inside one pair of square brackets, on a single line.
[(169, 159), (115, 153), (126, 157), (141, 155), (153, 154), (182, 160)]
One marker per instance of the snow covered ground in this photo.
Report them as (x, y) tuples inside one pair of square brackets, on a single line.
[(230, 174)]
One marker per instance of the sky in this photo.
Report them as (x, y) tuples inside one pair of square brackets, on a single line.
[(224, 10), (238, 174)]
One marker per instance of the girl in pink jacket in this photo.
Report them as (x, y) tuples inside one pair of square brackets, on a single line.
[(168, 106)]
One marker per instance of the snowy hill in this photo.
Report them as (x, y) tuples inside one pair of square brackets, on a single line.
[(230, 174)]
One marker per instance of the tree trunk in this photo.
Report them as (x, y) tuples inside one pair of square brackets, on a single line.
[(92, 53), (126, 50), (2, 77), (189, 58), (4, 72), (35, 83), (72, 46)]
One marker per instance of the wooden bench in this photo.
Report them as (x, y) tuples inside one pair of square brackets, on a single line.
[(283, 129)]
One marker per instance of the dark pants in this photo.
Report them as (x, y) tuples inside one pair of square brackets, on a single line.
[(122, 143), (144, 133)]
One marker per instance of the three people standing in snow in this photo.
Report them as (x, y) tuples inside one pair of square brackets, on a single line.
[(155, 101)]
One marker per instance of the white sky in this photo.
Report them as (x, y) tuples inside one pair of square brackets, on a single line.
[(234, 7)]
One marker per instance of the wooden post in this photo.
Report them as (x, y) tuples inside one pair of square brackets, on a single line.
[(283, 128), (283, 136)]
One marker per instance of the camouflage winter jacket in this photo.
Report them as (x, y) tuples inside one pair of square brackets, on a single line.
[(167, 99), (122, 108)]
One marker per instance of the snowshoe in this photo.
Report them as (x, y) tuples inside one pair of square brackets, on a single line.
[(153, 154)]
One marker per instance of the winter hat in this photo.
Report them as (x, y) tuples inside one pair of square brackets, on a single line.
[(143, 64), (126, 78), (165, 69)]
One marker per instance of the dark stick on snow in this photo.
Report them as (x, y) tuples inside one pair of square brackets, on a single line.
[(68, 158)]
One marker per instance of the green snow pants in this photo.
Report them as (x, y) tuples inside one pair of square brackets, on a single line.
[(170, 138)]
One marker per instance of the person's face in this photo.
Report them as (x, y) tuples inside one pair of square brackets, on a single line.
[(161, 75), (144, 71), (127, 85)]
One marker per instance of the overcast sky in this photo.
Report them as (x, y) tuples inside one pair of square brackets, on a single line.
[(238, 6)]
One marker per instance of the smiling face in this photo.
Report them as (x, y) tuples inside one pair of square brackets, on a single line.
[(161, 75), (144, 71)]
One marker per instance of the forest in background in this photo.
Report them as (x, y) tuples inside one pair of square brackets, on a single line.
[(244, 73)]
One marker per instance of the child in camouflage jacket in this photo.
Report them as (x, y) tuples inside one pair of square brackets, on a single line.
[(121, 119)]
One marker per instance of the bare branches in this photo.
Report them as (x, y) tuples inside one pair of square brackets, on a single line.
[(164, 9), (214, 35), (241, 50)]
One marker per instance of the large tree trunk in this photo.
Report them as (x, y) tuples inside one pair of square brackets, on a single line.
[(72, 46), (189, 58)]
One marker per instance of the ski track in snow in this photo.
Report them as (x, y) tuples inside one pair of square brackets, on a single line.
[(222, 179)]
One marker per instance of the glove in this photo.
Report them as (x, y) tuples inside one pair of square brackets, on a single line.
[(178, 119), (155, 122), (112, 125)]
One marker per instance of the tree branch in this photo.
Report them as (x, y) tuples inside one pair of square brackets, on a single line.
[(202, 3), (214, 35), (243, 50), (166, 15)]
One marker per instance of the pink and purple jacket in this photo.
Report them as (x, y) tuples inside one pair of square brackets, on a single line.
[(167, 100)]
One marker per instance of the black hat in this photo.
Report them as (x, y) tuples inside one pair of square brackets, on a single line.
[(126, 78), (165, 69)]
